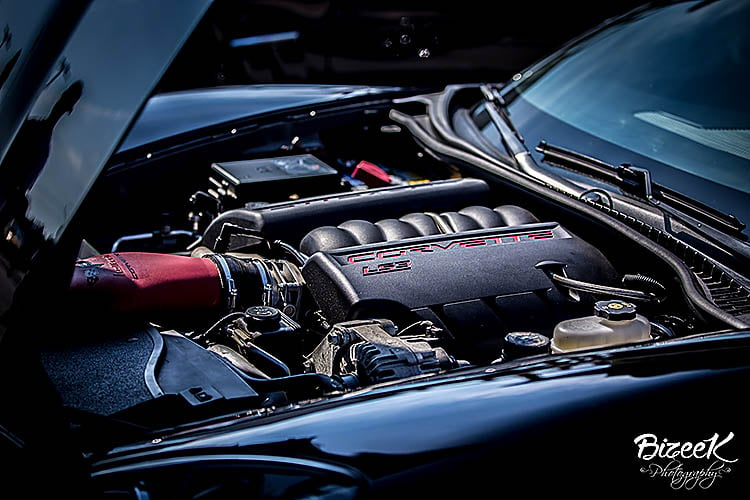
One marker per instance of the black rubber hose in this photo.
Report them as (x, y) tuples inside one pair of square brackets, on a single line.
[(597, 289), (267, 360), (646, 283), (240, 282), (301, 385), (300, 257), (217, 326), (249, 285)]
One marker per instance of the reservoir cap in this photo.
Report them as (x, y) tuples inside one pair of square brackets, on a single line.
[(522, 344), (615, 310), (262, 316)]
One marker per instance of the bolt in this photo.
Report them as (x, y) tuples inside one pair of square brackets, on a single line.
[(424, 53), (341, 337)]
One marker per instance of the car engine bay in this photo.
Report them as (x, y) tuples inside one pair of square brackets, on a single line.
[(330, 254)]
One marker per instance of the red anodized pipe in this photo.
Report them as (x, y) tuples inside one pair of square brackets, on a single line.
[(141, 282)]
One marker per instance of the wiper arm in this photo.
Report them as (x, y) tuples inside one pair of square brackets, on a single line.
[(514, 144), (637, 181), (508, 132), (722, 229)]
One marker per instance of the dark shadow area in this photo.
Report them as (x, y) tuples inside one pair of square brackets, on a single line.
[(30, 151), (408, 43)]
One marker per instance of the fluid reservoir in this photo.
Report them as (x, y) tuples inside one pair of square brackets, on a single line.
[(614, 322)]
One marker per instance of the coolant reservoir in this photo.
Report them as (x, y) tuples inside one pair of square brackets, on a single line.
[(614, 322)]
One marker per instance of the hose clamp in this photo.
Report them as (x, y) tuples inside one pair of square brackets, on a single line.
[(267, 282), (229, 284)]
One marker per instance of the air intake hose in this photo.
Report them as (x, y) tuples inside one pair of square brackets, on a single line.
[(136, 282)]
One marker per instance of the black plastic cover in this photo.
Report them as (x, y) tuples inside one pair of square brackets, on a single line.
[(274, 179), (361, 232), (478, 284), (290, 221), (114, 375)]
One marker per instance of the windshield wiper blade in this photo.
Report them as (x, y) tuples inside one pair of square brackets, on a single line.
[(637, 181)]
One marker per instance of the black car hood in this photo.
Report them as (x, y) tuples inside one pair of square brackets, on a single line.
[(173, 113), (488, 420), (65, 107)]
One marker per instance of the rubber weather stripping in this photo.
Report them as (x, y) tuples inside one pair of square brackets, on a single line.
[(729, 295)]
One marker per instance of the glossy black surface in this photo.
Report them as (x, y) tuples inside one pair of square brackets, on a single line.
[(173, 113), (550, 425)]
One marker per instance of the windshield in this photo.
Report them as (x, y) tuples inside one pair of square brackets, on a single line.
[(665, 89)]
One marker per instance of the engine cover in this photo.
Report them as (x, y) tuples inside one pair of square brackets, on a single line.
[(475, 284)]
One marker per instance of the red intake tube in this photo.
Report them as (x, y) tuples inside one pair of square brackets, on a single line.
[(145, 282)]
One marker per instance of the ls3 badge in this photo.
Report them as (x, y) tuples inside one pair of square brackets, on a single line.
[(387, 267)]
